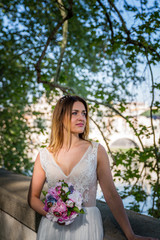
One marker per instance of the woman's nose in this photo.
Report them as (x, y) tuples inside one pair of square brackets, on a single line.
[(81, 117)]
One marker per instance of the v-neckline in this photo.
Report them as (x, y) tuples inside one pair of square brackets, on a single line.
[(67, 176)]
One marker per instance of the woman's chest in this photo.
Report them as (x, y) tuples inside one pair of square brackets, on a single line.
[(67, 161), (82, 171)]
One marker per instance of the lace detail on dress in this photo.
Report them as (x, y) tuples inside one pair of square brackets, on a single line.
[(83, 176)]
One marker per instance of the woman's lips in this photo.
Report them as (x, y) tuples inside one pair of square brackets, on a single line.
[(80, 124)]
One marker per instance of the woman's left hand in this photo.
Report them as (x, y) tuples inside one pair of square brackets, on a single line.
[(136, 237)]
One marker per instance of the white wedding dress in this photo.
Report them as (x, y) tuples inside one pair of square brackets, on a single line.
[(83, 176)]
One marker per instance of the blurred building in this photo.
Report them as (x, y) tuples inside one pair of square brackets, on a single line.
[(118, 132)]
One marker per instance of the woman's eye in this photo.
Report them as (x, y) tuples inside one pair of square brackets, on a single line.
[(83, 113), (74, 113)]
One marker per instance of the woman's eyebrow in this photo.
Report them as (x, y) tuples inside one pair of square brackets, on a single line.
[(76, 110)]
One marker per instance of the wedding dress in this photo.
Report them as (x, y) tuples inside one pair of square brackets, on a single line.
[(83, 176)]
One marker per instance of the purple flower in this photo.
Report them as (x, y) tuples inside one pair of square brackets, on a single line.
[(46, 208), (71, 188), (53, 192), (50, 199)]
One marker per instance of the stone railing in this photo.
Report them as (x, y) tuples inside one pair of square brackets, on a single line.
[(19, 222)]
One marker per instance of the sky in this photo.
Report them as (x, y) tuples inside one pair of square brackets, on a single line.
[(143, 91)]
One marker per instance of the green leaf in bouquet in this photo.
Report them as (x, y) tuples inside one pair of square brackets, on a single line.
[(69, 192), (76, 209), (63, 197), (64, 184), (44, 193), (69, 212), (82, 211)]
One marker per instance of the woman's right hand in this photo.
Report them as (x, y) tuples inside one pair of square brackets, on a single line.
[(137, 237)]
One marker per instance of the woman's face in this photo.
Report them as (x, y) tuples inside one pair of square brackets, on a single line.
[(78, 118)]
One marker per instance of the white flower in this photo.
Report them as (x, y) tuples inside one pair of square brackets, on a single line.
[(66, 189), (58, 184), (77, 198), (69, 203), (51, 217), (71, 219)]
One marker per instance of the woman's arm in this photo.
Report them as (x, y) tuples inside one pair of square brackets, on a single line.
[(112, 197), (36, 185)]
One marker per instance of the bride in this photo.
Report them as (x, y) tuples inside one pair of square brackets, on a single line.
[(72, 158)]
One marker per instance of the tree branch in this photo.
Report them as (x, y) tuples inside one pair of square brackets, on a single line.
[(129, 39), (154, 138), (105, 140), (64, 41), (120, 17), (108, 19), (152, 102), (53, 85), (37, 65)]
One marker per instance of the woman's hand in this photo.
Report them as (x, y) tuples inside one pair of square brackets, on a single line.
[(136, 237)]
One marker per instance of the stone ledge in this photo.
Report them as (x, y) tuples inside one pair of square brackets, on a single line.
[(141, 224), (13, 201), (14, 191), (13, 229)]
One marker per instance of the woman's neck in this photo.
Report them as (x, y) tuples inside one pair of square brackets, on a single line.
[(74, 140)]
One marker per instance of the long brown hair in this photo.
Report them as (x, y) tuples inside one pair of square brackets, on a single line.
[(64, 108)]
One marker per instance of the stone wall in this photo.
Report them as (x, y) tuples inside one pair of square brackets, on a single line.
[(19, 222)]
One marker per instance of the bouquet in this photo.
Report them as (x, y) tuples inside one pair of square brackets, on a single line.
[(63, 203)]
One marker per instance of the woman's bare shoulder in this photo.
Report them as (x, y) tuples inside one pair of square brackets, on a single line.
[(101, 149), (102, 153)]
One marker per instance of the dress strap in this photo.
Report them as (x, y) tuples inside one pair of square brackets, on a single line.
[(43, 158)]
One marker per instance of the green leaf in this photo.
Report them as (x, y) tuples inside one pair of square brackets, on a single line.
[(76, 209)]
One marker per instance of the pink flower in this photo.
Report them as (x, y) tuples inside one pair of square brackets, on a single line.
[(64, 214), (58, 190), (59, 208), (59, 183), (63, 218), (53, 192)]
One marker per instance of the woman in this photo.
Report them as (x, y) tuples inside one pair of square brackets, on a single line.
[(72, 158)]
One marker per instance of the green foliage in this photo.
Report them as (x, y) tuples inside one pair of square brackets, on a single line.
[(136, 167)]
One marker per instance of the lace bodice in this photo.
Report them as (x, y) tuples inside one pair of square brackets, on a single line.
[(83, 176)]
